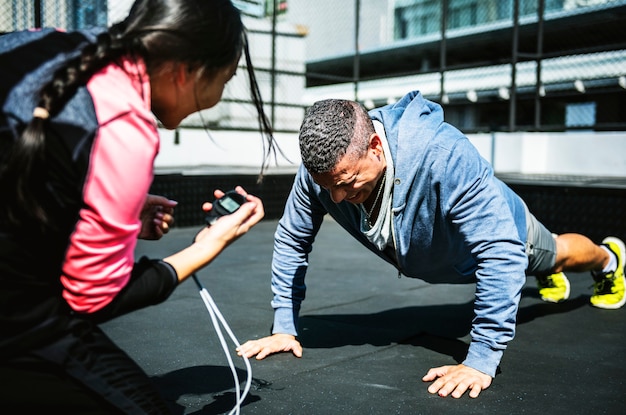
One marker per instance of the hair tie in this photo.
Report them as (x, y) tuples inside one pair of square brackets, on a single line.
[(40, 112)]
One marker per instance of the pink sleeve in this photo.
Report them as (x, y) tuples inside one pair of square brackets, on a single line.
[(100, 256)]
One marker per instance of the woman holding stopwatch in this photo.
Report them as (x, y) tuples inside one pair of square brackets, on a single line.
[(78, 139)]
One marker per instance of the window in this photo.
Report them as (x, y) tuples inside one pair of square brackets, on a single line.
[(463, 14), (88, 13), (581, 114), (417, 19)]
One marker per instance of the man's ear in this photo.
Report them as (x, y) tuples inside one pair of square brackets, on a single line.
[(376, 144)]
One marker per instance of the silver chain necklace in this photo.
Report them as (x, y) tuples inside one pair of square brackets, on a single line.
[(368, 214)]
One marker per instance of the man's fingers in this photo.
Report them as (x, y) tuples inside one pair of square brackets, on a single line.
[(270, 345), (434, 373), (248, 349), (297, 350), (263, 353), (255, 348), (456, 380), (475, 391)]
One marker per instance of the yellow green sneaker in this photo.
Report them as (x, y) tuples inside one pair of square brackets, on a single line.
[(608, 291), (553, 288)]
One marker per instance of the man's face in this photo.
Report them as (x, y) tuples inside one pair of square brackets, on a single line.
[(354, 180)]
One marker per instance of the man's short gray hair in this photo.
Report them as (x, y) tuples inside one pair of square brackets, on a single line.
[(331, 129)]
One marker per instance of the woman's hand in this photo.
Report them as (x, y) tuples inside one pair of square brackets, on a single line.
[(230, 227), (212, 240), (157, 216)]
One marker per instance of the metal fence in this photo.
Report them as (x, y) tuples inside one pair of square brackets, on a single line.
[(508, 65), (66, 14)]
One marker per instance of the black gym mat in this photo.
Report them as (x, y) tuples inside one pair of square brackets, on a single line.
[(368, 338)]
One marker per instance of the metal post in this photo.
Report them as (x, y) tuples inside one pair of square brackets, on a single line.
[(443, 50), (273, 68), (356, 66), (513, 102), (38, 21), (539, 58)]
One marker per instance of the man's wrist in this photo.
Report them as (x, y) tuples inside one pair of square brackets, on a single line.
[(483, 358), (284, 321)]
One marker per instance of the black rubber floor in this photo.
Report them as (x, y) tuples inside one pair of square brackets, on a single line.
[(368, 338)]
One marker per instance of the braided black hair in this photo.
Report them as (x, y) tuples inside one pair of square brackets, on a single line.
[(206, 34)]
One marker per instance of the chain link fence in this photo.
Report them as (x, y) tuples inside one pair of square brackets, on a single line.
[(495, 65), (274, 44), (65, 14)]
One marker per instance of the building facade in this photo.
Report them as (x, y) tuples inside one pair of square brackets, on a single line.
[(497, 65)]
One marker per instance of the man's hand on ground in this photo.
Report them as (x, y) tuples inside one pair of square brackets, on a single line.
[(455, 380), (266, 346)]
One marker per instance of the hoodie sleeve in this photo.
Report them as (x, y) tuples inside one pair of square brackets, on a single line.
[(483, 213), (293, 241)]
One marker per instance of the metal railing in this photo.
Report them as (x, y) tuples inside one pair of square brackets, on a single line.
[(507, 65)]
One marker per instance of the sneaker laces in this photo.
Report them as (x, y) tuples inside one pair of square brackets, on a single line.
[(546, 281), (604, 282)]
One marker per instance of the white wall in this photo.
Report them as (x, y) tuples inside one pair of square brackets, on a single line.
[(569, 153), (572, 153), (236, 151)]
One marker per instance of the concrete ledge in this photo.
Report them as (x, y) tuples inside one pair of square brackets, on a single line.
[(191, 191)]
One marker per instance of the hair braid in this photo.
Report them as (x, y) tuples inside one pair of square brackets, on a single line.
[(22, 179), (205, 35)]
